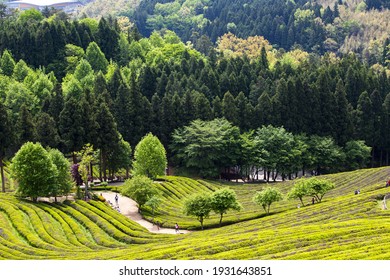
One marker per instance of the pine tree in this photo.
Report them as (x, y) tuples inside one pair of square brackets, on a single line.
[(71, 127), (229, 108), (26, 130), (7, 64), (47, 133), (6, 137), (107, 134)]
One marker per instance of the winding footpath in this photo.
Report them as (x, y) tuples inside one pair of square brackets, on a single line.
[(128, 208)]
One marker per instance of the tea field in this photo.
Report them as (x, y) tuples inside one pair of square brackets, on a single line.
[(342, 226)]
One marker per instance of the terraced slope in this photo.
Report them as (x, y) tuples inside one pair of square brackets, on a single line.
[(42, 230), (343, 226), (176, 189)]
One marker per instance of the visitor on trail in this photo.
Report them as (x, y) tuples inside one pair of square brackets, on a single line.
[(176, 228), (116, 199), (312, 200)]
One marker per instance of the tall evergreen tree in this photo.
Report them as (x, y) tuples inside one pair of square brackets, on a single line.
[(107, 135), (6, 136)]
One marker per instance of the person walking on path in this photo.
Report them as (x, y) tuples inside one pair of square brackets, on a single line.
[(116, 199), (176, 228)]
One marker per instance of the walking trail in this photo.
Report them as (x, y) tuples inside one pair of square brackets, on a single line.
[(128, 208)]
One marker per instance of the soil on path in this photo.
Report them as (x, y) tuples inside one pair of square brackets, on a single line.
[(128, 208)]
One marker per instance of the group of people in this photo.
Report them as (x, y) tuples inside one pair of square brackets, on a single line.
[(116, 206)]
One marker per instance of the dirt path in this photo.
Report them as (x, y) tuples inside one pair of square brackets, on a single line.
[(128, 208)]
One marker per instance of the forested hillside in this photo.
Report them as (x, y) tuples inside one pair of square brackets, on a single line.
[(316, 26), (68, 82)]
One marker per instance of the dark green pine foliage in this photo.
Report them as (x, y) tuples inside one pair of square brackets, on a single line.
[(162, 82), (327, 104), (6, 139), (177, 111), (147, 81), (89, 105), (217, 107), (26, 130), (376, 117), (155, 119), (166, 121), (364, 120), (263, 110), (114, 83), (47, 132), (343, 126), (188, 107), (56, 104), (122, 112), (244, 112), (202, 106), (229, 108), (71, 127), (385, 129), (137, 109), (108, 137), (44, 46), (100, 89), (107, 38)]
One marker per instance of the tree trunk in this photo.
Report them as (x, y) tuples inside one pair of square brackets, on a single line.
[(220, 220), (387, 157), (373, 157), (2, 175), (74, 157), (381, 159), (303, 204), (100, 167)]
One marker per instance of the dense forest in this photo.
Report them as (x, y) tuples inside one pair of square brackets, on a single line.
[(68, 82), (315, 26)]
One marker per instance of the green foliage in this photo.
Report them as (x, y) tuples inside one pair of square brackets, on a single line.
[(7, 64), (319, 187), (63, 183), (149, 157), (96, 58), (34, 171), (223, 200), (207, 146), (357, 154), (140, 188), (198, 205), (30, 15), (299, 190), (266, 197)]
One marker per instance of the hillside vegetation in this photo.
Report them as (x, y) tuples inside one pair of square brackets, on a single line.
[(343, 226)]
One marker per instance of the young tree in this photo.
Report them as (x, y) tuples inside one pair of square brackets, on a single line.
[(34, 171), (140, 188), (198, 205), (153, 203), (223, 200), (7, 64), (266, 197), (149, 157), (63, 179), (319, 187), (87, 156), (96, 58), (299, 190)]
